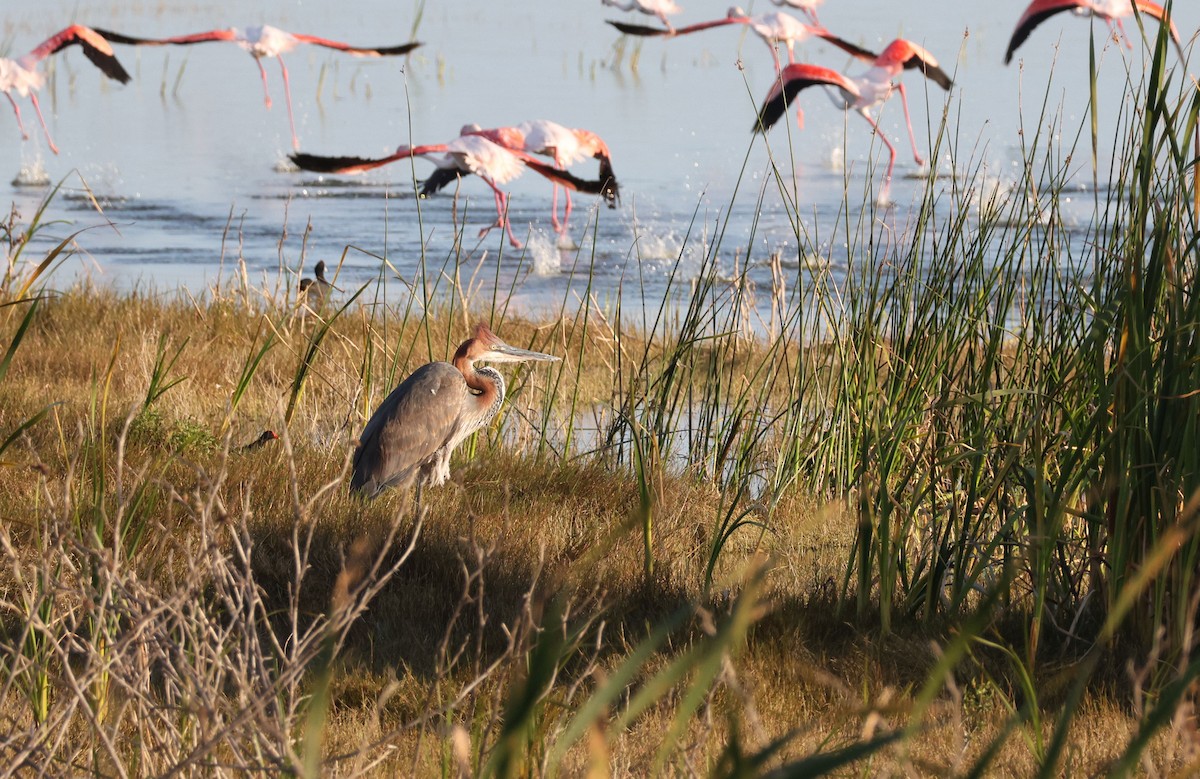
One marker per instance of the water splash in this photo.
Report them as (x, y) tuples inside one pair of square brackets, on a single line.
[(32, 174), (547, 260)]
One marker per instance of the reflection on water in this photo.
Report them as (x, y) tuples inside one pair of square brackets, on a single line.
[(190, 168)]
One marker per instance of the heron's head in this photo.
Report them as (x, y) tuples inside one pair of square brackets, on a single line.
[(486, 346)]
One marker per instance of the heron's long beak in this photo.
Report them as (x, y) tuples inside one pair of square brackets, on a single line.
[(502, 352)]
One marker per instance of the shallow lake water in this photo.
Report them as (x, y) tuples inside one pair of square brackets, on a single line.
[(188, 164)]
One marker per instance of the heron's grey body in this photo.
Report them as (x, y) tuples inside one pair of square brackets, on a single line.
[(412, 434)]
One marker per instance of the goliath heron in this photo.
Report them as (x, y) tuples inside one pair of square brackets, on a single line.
[(412, 434)]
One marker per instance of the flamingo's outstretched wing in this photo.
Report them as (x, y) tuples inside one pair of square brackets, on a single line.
[(358, 51), (858, 52), (178, 40), (912, 56), (788, 84), (605, 186), (319, 164), (1037, 12), (94, 46), (643, 31)]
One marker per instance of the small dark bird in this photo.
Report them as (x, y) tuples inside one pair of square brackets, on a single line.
[(412, 434), (314, 291), (258, 443)]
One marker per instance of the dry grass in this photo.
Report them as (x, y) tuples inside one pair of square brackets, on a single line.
[(222, 645)]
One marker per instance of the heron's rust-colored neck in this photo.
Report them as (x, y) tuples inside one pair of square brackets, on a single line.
[(464, 361)]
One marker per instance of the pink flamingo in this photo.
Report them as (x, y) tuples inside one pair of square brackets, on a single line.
[(862, 94), (774, 28), (564, 145), (1111, 11), (263, 42), (808, 7), (22, 76), (476, 154), (657, 8)]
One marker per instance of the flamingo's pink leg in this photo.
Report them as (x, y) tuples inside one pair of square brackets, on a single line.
[(908, 121), (554, 209), (502, 213), (266, 89), (17, 111), (567, 208), (38, 110), (774, 56), (887, 180), (287, 96)]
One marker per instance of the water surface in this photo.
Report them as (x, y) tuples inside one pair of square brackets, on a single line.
[(186, 161)]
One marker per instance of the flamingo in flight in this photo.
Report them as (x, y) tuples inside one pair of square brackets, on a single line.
[(774, 28), (22, 76), (657, 8), (265, 41), (807, 7), (564, 145), (1111, 11), (862, 94), (493, 163)]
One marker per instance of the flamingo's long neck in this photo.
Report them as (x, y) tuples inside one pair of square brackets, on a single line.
[(417, 151)]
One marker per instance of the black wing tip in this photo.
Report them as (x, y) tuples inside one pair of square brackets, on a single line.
[(116, 37), (769, 114), (940, 77), (404, 48), (932, 72), (318, 164), (438, 180), (108, 64), (640, 30)]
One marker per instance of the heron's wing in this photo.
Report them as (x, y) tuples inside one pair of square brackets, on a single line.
[(95, 47), (358, 51), (788, 84), (412, 423)]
